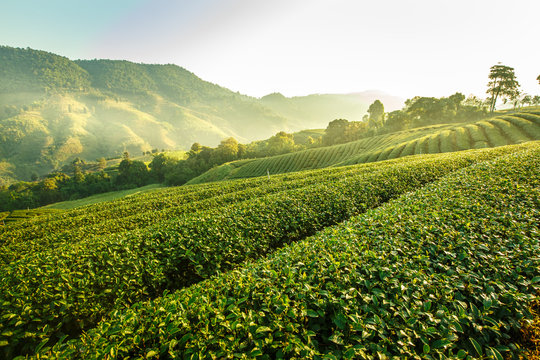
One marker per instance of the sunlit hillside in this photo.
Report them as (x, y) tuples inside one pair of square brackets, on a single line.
[(322, 256), (505, 129), (53, 109)]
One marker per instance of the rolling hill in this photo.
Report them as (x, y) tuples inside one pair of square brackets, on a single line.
[(504, 129), (434, 254), (53, 109)]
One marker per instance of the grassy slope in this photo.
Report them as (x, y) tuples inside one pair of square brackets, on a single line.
[(94, 199), (507, 128)]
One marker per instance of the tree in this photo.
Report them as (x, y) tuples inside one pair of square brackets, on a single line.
[(196, 147), (159, 166), (227, 150), (376, 111), (502, 83), (78, 175), (180, 173), (472, 100), (102, 163), (538, 78), (280, 143), (397, 120), (426, 110), (132, 172), (456, 100), (335, 131), (527, 100), (536, 100)]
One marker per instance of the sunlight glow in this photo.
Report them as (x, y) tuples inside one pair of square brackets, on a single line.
[(405, 48)]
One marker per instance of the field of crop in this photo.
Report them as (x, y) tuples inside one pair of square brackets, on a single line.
[(445, 271), (94, 199), (9, 217), (150, 209), (512, 128), (61, 275)]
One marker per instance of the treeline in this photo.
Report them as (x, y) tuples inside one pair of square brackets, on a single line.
[(54, 188), (418, 112), (202, 158), (76, 180), (79, 179), (31, 70)]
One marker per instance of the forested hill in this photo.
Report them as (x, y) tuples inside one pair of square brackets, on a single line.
[(53, 109)]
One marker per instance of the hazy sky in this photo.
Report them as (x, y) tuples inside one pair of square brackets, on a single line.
[(297, 47)]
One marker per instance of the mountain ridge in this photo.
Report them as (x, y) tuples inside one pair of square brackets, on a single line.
[(53, 109)]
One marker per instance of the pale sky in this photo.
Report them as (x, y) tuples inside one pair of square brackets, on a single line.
[(296, 47)]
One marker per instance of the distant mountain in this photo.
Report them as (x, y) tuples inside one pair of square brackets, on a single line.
[(53, 109), (319, 109)]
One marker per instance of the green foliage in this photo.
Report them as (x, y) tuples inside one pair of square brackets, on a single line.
[(341, 131), (418, 112), (149, 209), (31, 70), (397, 120), (54, 188), (281, 143), (54, 110), (71, 285), (202, 158), (376, 112), (446, 271), (422, 111), (8, 218), (100, 197), (502, 83), (132, 173)]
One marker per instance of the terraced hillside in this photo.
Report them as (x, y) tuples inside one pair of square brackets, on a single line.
[(105, 270), (443, 272), (511, 128)]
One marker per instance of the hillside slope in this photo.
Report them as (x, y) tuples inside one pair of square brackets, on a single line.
[(53, 109), (89, 272), (505, 129), (443, 272)]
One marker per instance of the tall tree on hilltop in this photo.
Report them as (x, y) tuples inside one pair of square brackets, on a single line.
[(502, 83), (376, 111)]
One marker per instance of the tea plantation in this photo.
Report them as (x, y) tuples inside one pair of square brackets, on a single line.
[(429, 256), (511, 128)]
